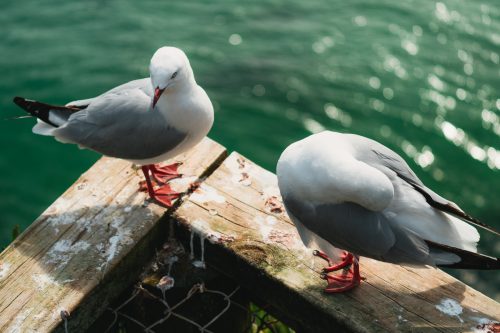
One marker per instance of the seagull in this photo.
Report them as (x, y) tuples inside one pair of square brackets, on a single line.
[(350, 196), (145, 121)]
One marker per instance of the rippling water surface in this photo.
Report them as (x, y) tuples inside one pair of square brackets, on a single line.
[(421, 77)]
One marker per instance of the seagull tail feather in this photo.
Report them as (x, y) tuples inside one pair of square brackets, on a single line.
[(43, 111), (468, 259)]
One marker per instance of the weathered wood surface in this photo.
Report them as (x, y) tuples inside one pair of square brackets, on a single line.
[(92, 242), (88, 246), (249, 236)]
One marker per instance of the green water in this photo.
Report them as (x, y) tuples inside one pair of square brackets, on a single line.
[(420, 77)]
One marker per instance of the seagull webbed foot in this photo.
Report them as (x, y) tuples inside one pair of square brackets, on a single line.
[(165, 195), (347, 280), (143, 185), (164, 174), (341, 283)]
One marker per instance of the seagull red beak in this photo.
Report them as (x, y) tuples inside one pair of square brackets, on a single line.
[(157, 96)]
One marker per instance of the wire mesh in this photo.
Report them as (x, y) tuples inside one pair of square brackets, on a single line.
[(178, 293), (170, 310)]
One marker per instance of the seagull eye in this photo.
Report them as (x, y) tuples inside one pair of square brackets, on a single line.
[(173, 75)]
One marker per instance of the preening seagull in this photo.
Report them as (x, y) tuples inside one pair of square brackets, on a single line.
[(347, 192), (144, 121)]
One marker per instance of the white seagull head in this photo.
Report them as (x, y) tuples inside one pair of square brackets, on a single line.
[(169, 69)]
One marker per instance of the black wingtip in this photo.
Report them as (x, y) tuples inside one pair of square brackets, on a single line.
[(19, 101), (25, 104), (36, 109), (468, 260)]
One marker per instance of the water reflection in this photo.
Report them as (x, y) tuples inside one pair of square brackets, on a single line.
[(488, 155), (421, 77)]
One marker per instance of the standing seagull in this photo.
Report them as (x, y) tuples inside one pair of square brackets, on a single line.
[(144, 121), (345, 191)]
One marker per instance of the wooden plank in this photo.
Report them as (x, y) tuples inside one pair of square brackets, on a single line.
[(239, 211), (88, 246)]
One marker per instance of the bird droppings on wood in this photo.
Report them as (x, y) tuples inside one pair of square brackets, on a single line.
[(450, 307), (43, 281), (204, 230), (201, 233), (270, 234), (271, 220), (116, 242), (201, 262), (264, 227), (62, 251), (204, 194), (122, 237), (4, 269), (15, 326), (485, 325)]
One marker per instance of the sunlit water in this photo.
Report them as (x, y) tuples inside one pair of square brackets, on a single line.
[(420, 77)]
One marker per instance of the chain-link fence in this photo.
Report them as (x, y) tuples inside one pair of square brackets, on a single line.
[(178, 293)]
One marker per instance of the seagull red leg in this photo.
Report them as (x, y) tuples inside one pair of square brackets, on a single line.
[(164, 174), (349, 279), (164, 194), (346, 261), (143, 185), (333, 267)]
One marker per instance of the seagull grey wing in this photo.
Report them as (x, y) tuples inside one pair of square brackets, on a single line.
[(354, 228), (121, 124), (142, 84), (81, 104), (382, 157)]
